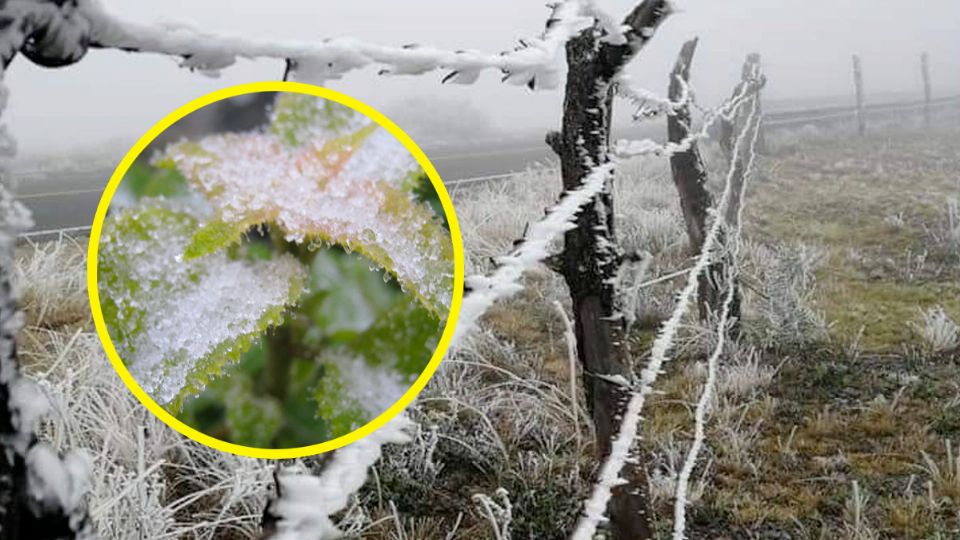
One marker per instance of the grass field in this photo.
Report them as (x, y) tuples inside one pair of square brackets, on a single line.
[(838, 414)]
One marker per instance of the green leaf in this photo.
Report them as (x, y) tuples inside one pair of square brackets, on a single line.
[(178, 322), (143, 181), (214, 236), (299, 118), (337, 404), (253, 419), (348, 297), (403, 338)]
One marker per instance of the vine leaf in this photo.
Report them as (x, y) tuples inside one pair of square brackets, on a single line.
[(178, 322), (320, 175), (352, 391), (369, 373)]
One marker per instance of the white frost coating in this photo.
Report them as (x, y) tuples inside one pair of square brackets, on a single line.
[(632, 148), (609, 477), (382, 157), (254, 178), (59, 483), (504, 281), (374, 388), (180, 310), (306, 502), (709, 386), (614, 30), (227, 301), (650, 103), (332, 58), (28, 406)]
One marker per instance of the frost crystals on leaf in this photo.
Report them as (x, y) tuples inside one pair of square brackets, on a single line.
[(176, 322), (322, 174)]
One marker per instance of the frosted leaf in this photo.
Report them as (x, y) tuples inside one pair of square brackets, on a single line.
[(382, 156), (298, 119), (177, 322), (351, 189), (353, 391), (253, 419)]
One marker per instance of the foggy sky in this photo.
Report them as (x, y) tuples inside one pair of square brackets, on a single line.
[(806, 47)]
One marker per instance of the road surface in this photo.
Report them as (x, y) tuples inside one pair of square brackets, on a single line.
[(65, 200), (68, 200)]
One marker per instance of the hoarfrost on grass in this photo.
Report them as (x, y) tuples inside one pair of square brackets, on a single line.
[(938, 331)]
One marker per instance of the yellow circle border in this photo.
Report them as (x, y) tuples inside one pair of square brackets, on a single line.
[(163, 414)]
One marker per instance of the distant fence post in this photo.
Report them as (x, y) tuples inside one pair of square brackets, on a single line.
[(858, 81), (927, 89)]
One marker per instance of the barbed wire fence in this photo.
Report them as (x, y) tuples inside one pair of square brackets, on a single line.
[(56, 33)]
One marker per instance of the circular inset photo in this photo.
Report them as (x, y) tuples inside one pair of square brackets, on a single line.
[(275, 269)]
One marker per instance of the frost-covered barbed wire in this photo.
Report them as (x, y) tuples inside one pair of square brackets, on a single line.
[(483, 291), (732, 244), (535, 62), (649, 104), (306, 501), (504, 281), (609, 476), (726, 111)]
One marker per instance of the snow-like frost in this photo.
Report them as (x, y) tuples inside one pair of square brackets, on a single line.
[(373, 388), (381, 156), (174, 320), (28, 406), (349, 189), (59, 483), (306, 502)]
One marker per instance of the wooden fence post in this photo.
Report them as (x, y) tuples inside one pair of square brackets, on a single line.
[(858, 82), (927, 89)]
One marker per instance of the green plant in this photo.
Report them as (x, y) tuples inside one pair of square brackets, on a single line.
[(278, 287)]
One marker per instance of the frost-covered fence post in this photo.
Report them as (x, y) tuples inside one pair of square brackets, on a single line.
[(752, 81), (591, 256), (729, 128), (690, 178), (927, 88), (858, 83)]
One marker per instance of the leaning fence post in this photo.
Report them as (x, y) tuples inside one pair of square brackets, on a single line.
[(927, 89), (858, 82)]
